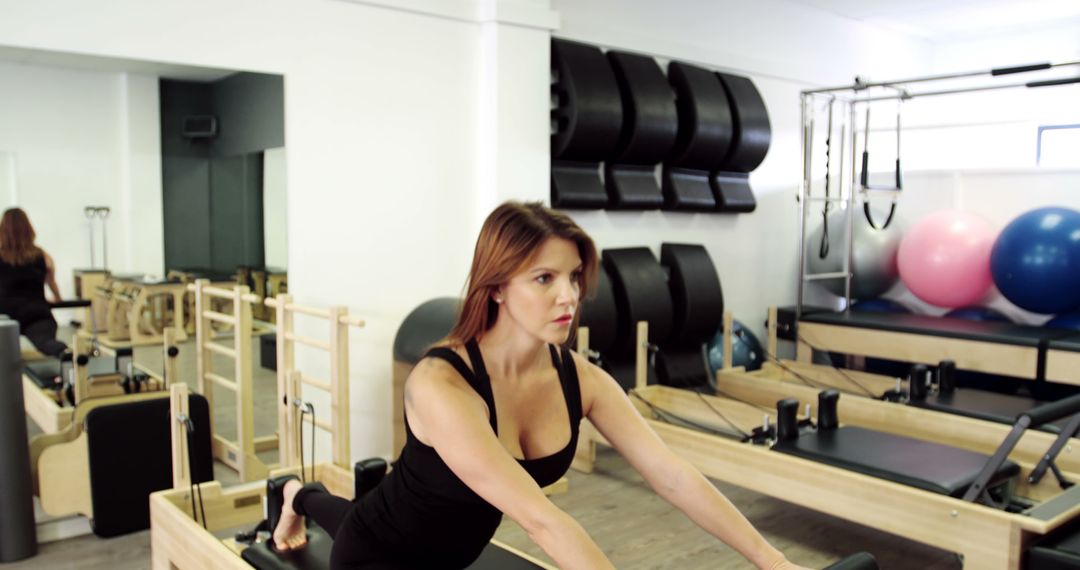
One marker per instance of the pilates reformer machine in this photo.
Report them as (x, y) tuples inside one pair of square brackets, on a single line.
[(53, 389), (965, 485), (186, 519)]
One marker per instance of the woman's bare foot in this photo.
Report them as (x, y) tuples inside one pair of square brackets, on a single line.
[(289, 534)]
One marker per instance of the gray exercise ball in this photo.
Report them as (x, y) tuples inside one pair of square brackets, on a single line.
[(873, 263)]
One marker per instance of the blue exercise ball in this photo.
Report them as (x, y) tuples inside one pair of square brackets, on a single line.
[(976, 313), (1035, 261), (746, 350), (1069, 321), (879, 305)]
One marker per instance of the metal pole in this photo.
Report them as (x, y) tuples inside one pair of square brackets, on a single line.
[(88, 212), (104, 213), (804, 189), (850, 218), (861, 85)]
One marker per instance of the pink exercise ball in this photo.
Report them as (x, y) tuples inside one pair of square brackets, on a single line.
[(944, 259)]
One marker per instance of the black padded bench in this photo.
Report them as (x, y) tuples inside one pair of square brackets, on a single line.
[(925, 465), (316, 556)]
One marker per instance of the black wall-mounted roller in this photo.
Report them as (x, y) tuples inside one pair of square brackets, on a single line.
[(650, 124), (752, 135), (698, 311), (704, 137), (697, 298), (586, 119), (641, 294), (598, 312)]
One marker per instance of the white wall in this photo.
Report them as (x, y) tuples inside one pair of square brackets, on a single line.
[(76, 138)]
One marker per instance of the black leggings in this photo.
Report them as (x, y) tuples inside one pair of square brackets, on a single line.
[(354, 545), (42, 334)]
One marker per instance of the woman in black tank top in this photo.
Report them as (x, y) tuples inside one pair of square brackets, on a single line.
[(491, 416), (25, 270)]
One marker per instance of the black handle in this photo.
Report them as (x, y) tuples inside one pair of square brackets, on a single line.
[(1020, 69), (1052, 82), (826, 410), (72, 304), (946, 376), (1052, 411), (917, 382), (787, 424), (857, 561)]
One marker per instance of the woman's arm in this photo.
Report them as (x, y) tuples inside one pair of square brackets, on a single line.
[(445, 413), (50, 277), (672, 477)]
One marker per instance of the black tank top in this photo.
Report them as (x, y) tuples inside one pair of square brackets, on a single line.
[(424, 513), (22, 291)]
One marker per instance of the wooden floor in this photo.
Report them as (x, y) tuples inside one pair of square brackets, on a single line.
[(631, 524)]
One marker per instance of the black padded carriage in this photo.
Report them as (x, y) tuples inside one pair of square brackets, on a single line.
[(929, 466), (129, 447), (316, 556)]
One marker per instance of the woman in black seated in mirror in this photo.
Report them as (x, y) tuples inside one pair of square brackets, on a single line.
[(492, 416), (25, 271)]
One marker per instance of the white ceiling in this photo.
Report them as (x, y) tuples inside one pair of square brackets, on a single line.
[(109, 64), (944, 20)]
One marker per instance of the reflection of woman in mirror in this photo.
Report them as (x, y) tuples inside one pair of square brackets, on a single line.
[(25, 271), (504, 360)]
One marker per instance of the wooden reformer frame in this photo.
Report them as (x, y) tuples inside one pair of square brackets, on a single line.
[(47, 408), (59, 460), (987, 538)]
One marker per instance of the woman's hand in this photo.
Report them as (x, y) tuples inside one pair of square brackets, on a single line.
[(784, 564)]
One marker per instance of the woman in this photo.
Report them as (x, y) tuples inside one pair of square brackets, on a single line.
[(25, 270), (492, 416)]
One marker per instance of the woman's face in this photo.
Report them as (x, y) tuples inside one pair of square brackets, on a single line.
[(543, 297)]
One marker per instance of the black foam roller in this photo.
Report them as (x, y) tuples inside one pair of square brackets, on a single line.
[(695, 293), (18, 532)]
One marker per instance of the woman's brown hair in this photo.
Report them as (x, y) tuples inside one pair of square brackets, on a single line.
[(17, 238), (509, 239)]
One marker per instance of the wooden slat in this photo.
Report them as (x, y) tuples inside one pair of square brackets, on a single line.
[(315, 383), (221, 381), (219, 349), (219, 317), (308, 341)]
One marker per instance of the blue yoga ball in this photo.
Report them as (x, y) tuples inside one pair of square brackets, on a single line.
[(1035, 261), (1070, 321), (976, 313), (880, 305), (746, 350)]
